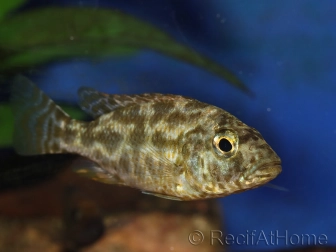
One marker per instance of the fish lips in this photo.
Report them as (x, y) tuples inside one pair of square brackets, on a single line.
[(263, 173)]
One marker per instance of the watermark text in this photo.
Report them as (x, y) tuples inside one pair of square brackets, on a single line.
[(255, 238)]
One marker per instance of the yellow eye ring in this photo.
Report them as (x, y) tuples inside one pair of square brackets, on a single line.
[(225, 143)]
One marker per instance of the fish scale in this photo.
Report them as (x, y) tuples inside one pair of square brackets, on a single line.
[(169, 146)]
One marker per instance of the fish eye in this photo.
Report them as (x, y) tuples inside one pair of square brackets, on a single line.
[(225, 143)]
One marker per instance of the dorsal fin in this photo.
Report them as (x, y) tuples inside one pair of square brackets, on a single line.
[(96, 103)]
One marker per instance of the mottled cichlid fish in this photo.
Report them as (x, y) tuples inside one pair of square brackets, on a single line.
[(165, 145)]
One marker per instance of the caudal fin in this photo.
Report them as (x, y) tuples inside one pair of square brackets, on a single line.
[(38, 122)]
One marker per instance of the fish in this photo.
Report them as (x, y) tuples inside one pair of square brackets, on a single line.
[(165, 145)]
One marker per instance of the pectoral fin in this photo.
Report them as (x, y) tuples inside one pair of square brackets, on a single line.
[(88, 168)]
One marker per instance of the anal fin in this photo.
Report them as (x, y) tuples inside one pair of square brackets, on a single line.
[(162, 196)]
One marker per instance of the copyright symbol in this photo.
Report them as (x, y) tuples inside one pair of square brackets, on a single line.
[(196, 237)]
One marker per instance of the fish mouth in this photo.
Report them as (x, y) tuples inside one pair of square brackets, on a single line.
[(264, 172), (271, 168)]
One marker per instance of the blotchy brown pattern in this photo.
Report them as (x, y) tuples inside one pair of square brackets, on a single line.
[(167, 145)]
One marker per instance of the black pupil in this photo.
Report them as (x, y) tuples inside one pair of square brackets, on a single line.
[(224, 145)]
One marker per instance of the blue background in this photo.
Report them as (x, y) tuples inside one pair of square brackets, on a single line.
[(285, 53)]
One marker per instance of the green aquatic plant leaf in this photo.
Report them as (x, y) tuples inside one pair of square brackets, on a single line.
[(7, 6), (7, 121), (6, 125), (74, 112), (41, 35)]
